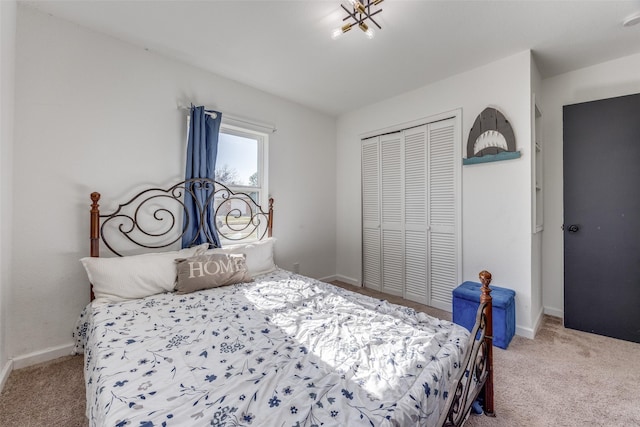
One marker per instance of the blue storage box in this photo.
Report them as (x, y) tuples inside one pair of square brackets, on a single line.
[(466, 299)]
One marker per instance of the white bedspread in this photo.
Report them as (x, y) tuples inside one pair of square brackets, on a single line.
[(285, 350)]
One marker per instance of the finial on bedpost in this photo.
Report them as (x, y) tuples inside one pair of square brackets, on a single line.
[(270, 218), (485, 279), (485, 297)]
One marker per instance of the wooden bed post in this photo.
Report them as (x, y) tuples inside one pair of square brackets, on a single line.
[(485, 296), (270, 220), (94, 237), (95, 225)]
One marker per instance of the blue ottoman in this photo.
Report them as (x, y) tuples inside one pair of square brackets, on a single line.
[(466, 299)]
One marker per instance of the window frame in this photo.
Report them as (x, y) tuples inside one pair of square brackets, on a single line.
[(262, 140), (262, 161)]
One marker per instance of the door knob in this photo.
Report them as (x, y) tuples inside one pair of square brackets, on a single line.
[(573, 228)]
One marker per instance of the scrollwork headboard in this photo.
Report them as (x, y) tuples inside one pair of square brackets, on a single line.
[(153, 218)]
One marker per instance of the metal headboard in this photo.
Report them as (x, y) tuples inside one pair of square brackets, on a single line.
[(153, 218)]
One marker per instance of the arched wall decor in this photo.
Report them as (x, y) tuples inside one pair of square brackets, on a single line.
[(491, 139)]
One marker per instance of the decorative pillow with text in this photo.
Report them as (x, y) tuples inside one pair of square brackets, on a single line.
[(211, 271)]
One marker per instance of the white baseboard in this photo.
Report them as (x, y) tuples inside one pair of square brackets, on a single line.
[(340, 278), (525, 332), (4, 374), (349, 280), (555, 312), (531, 332), (327, 279), (538, 322), (42, 356)]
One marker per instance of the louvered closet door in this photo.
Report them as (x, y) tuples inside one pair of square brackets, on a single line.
[(443, 236), (391, 173), (371, 255), (410, 202), (415, 214)]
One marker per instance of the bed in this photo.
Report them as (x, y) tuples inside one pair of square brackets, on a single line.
[(274, 348)]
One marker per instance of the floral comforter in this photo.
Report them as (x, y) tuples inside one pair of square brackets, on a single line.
[(284, 350)]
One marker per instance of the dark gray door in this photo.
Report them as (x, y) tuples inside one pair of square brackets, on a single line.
[(602, 217)]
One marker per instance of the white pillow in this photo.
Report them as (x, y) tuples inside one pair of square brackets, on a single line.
[(123, 278), (259, 255)]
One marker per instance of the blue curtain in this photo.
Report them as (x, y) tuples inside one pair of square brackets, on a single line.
[(202, 150)]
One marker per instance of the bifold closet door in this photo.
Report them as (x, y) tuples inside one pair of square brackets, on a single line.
[(382, 214), (415, 214), (410, 203), (371, 256), (391, 179), (443, 234)]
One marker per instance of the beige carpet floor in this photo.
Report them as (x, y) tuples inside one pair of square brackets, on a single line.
[(48, 394), (561, 378)]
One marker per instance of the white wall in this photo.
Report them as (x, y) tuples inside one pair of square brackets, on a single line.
[(496, 197), (7, 77), (609, 79), (96, 114)]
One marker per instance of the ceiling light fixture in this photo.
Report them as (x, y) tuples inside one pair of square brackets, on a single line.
[(358, 13)]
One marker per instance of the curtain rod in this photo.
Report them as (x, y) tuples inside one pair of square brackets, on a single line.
[(234, 120)]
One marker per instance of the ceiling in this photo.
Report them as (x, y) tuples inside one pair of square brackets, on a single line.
[(285, 47)]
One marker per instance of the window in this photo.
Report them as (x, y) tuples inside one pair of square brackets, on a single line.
[(241, 165)]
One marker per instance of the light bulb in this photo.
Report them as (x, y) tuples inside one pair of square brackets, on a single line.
[(341, 30), (366, 30), (357, 5)]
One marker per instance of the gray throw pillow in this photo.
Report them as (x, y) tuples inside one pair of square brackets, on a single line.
[(210, 271)]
